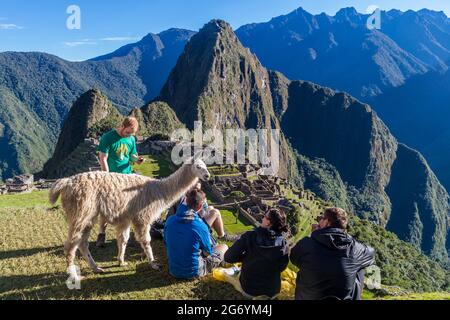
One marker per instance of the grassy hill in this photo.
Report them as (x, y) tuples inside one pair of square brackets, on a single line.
[(32, 263)]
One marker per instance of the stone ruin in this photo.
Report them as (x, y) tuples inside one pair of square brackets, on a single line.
[(20, 183), (154, 147), (25, 183), (260, 192)]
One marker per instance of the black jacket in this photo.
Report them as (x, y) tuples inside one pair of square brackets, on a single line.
[(329, 261), (264, 255)]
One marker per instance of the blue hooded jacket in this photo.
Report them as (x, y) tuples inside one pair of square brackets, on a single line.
[(186, 236)]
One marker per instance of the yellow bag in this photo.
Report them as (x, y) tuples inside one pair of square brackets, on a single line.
[(231, 275)]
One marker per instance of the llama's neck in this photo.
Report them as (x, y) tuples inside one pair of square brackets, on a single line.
[(177, 184)]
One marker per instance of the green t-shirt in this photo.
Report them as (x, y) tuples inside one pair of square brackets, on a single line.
[(119, 151)]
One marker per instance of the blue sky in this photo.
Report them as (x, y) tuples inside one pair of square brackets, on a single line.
[(40, 25)]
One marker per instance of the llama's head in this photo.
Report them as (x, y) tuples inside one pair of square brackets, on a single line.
[(200, 170)]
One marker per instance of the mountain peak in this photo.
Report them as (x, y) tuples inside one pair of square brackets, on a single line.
[(203, 85), (92, 111), (432, 13), (347, 12), (216, 26)]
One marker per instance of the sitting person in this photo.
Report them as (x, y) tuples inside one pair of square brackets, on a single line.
[(209, 214), (264, 255), (331, 262), (188, 242)]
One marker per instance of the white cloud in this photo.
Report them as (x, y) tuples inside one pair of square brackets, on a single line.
[(119, 39), (79, 43), (9, 26), (95, 41)]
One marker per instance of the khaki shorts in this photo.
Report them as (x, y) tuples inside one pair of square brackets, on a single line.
[(206, 265)]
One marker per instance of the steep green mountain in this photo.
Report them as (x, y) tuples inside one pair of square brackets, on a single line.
[(44, 87), (364, 167), (153, 57), (218, 81), (422, 202), (417, 113), (24, 142), (214, 74), (91, 115)]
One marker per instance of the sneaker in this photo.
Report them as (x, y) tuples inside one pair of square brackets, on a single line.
[(101, 240), (229, 237)]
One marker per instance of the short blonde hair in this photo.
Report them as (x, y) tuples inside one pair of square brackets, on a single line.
[(130, 122)]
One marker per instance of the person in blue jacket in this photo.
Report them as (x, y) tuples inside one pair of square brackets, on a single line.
[(188, 242)]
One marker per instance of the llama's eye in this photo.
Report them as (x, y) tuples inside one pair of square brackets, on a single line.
[(198, 167)]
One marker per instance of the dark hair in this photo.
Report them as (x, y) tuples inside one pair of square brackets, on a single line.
[(194, 198), (337, 217), (277, 219)]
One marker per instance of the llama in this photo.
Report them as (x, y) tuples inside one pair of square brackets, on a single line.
[(121, 200)]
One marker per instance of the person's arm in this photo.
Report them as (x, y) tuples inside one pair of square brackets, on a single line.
[(205, 241), (284, 261), (366, 255), (103, 159), (237, 251), (297, 253), (134, 157), (103, 150)]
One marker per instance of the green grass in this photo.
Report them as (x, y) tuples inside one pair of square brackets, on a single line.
[(233, 226), (25, 200), (369, 295), (32, 265), (154, 166)]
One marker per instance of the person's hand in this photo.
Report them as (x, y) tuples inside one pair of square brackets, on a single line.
[(140, 160)]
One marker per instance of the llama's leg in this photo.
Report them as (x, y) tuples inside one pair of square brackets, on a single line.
[(142, 234), (84, 248), (122, 235), (101, 237), (70, 250)]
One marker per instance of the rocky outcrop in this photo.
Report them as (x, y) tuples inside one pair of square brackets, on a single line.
[(218, 81), (156, 118), (90, 116)]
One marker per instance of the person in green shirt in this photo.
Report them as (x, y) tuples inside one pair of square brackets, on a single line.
[(117, 152)]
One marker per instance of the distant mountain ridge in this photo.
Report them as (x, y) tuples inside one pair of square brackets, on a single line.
[(418, 113), (41, 88), (340, 52)]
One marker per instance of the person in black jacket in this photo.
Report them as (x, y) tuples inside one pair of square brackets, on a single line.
[(264, 254), (331, 262)]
